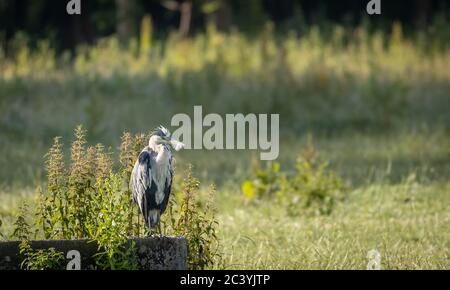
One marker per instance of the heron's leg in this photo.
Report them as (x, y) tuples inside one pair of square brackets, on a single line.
[(150, 232), (159, 230), (148, 229)]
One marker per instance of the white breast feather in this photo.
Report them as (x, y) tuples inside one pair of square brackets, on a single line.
[(160, 173)]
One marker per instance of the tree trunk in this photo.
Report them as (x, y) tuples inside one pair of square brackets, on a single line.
[(125, 21), (222, 17), (185, 20), (422, 11), (82, 29)]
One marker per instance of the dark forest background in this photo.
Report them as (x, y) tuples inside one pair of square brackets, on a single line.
[(48, 19)]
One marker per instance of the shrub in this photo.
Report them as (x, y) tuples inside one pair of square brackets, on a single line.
[(88, 199), (52, 207), (21, 227), (198, 226), (42, 259), (314, 187), (1, 234), (264, 184), (110, 210)]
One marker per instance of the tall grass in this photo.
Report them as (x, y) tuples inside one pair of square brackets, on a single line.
[(324, 82), (347, 71)]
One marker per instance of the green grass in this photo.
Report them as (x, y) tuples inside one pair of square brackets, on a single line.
[(398, 206), (377, 106), (407, 223)]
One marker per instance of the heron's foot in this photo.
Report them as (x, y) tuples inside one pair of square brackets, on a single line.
[(155, 232)]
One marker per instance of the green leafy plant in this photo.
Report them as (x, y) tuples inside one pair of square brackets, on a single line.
[(21, 227), (313, 188), (87, 198), (52, 219), (264, 184), (110, 209), (41, 259), (198, 226), (1, 234)]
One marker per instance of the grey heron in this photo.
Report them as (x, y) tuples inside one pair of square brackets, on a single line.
[(152, 175)]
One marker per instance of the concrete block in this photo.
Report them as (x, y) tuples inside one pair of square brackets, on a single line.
[(153, 253)]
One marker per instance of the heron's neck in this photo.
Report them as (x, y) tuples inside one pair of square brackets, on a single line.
[(163, 154), (161, 151), (155, 147)]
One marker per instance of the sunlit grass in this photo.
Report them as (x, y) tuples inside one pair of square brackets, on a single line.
[(407, 223)]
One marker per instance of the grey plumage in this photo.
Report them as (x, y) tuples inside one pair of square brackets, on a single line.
[(152, 176)]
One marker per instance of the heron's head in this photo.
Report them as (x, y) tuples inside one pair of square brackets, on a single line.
[(162, 136)]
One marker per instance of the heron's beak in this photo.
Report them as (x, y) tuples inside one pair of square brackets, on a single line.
[(177, 145)]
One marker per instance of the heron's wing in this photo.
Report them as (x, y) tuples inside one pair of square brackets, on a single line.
[(142, 185), (168, 186)]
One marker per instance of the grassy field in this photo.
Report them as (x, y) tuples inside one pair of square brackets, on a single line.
[(376, 105), (407, 223)]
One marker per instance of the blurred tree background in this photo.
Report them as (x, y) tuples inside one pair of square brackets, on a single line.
[(326, 66), (45, 19)]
